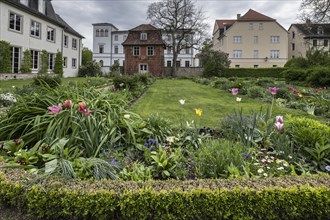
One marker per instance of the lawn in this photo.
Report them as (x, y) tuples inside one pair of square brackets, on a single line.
[(163, 98)]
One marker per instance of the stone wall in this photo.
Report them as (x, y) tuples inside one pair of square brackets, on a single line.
[(8, 76), (185, 71)]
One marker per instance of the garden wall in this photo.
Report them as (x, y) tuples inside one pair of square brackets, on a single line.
[(8, 76), (185, 71)]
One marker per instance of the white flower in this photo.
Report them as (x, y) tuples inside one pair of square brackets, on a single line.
[(13, 87), (260, 170), (171, 139), (238, 99), (127, 116), (265, 174), (121, 84), (182, 101), (280, 168), (290, 157)]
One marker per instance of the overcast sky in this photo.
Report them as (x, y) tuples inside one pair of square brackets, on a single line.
[(127, 14)]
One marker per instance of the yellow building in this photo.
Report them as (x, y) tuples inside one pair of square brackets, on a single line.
[(253, 40)]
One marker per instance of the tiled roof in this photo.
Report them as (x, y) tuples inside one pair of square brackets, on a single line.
[(154, 36), (311, 30), (227, 22), (67, 27), (252, 15)]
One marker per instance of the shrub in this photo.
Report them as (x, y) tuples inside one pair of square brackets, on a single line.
[(264, 82), (90, 69), (256, 92), (5, 57), (297, 62), (43, 68), (47, 80), (291, 75), (319, 76), (26, 62), (58, 67), (253, 72)]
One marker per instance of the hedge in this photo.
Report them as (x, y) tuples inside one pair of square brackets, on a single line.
[(304, 197), (253, 72)]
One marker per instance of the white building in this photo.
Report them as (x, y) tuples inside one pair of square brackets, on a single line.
[(33, 25), (108, 48)]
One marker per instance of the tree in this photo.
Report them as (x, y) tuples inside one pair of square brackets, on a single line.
[(213, 61), (315, 10), (87, 56), (26, 62), (181, 21), (5, 60), (58, 67), (43, 69)]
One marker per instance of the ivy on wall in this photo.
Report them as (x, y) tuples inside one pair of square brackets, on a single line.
[(5, 58)]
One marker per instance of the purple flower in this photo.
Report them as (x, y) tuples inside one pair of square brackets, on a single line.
[(113, 161), (273, 90), (279, 126), (146, 144), (247, 155), (279, 119), (327, 168), (234, 91), (55, 109)]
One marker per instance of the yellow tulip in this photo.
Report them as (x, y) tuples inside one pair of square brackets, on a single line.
[(198, 112)]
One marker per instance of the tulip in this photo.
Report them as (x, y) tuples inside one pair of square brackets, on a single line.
[(273, 90), (198, 112), (67, 103), (279, 126), (55, 109), (82, 106), (279, 119), (234, 91)]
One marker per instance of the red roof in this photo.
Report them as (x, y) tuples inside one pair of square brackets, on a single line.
[(227, 22), (252, 15)]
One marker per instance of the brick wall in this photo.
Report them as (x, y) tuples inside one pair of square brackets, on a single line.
[(185, 71)]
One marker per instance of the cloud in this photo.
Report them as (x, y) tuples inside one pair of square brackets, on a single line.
[(127, 14)]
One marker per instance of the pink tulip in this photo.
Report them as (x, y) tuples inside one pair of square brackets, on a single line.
[(55, 109), (87, 112), (273, 90), (279, 119), (67, 103), (234, 91), (279, 126), (82, 107)]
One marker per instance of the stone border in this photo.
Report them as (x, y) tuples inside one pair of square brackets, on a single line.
[(10, 76)]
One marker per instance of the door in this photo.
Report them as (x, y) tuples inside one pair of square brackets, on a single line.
[(15, 59)]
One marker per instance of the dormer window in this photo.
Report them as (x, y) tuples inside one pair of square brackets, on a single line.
[(143, 36), (25, 2), (320, 30)]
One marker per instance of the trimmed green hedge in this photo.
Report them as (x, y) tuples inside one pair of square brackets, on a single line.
[(274, 198), (253, 72)]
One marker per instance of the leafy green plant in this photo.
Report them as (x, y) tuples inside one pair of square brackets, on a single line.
[(5, 57), (256, 92), (43, 68), (137, 172), (58, 67), (26, 62), (47, 80)]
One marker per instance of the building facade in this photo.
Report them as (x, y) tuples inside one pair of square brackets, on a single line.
[(251, 41), (306, 37), (144, 51), (108, 48), (33, 25)]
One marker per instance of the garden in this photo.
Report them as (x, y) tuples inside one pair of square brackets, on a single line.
[(137, 147)]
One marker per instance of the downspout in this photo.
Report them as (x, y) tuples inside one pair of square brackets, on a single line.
[(111, 47)]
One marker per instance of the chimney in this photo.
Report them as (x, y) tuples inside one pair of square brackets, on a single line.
[(238, 16)]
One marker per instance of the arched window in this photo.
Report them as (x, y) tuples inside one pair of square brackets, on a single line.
[(102, 32), (97, 32), (106, 33)]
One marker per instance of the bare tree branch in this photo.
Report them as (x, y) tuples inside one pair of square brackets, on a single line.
[(317, 11)]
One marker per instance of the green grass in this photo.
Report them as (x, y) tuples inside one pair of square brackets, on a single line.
[(163, 98)]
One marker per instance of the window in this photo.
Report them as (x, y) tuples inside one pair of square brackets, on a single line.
[(261, 26), (275, 39), (250, 26), (237, 39), (293, 46), (315, 43), (255, 66), (116, 49), (320, 30), (74, 43), (256, 54), (178, 64), (51, 61), (150, 51), (187, 50), (136, 51), (143, 36), (97, 32), (237, 54), (255, 39), (237, 66), (16, 59), (74, 63), (35, 29), (106, 33), (101, 33), (50, 34), (116, 37), (187, 63), (293, 34), (15, 22), (65, 62), (325, 43), (274, 54), (66, 41), (101, 48), (274, 65), (169, 63), (143, 68), (35, 59)]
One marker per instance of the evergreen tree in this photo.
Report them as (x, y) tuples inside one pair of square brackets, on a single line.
[(44, 62), (58, 68), (5, 58), (26, 62)]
